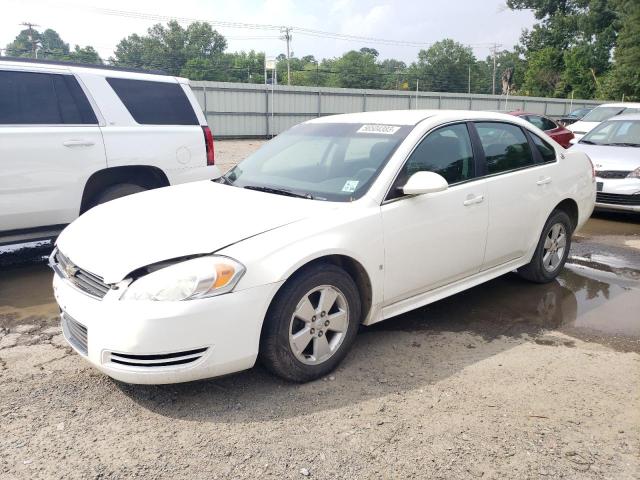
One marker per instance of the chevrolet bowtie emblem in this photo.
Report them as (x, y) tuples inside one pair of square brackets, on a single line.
[(70, 270)]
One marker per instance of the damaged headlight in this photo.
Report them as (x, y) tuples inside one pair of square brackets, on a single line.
[(196, 278)]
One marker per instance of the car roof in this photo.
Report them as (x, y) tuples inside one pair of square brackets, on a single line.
[(621, 104), (412, 117)]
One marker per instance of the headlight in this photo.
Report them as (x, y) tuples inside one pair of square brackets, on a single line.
[(635, 173), (197, 278)]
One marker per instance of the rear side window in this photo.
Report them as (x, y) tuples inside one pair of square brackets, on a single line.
[(547, 152), (28, 98), (505, 146), (154, 103), (542, 123)]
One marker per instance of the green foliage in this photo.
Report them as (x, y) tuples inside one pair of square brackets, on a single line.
[(48, 45), (444, 66)]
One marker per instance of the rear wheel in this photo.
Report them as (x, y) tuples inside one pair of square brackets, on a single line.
[(552, 249), (311, 324), (116, 191)]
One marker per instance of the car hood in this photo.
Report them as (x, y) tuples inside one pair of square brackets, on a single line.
[(116, 238), (611, 158), (582, 127)]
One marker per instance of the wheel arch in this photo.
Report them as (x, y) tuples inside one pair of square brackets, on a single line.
[(570, 207), (144, 175), (351, 266)]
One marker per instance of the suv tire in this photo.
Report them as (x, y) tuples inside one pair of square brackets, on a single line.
[(116, 191), (311, 324), (552, 250)]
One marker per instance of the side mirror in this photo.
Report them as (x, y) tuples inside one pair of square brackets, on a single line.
[(425, 182)]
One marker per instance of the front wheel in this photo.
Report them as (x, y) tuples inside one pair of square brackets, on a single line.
[(311, 324), (552, 250)]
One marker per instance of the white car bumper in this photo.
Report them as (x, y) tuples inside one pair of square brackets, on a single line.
[(149, 342), (619, 194)]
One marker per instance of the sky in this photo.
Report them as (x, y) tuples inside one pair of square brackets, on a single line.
[(103, 24)]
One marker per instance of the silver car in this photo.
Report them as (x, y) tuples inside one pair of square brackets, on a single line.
[(614, 149)]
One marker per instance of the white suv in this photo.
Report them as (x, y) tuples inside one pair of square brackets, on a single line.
[(72, 137)]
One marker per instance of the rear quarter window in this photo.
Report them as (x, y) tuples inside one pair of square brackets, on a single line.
[(154, 103)]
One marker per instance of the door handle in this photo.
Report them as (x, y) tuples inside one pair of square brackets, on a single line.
[(544, 181), (78, 143), (471, 200)]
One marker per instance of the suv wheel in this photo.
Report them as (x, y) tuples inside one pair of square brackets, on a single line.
[(552, 250), (116, 191), (311, 324)]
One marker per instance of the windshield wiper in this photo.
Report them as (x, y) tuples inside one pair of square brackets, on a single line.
[(589, 142), (279, 191), (223, 179)]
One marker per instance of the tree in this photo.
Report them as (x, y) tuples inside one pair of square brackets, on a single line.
[(625, 76), (49, 45), (170, 48), (543, 75), (356, 69), (444, 67)]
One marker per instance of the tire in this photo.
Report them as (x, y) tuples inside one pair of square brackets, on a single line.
[(543, 268), (295, 317), (116, 191)]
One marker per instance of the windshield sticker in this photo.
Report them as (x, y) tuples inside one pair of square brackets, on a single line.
[(384, 129), (350, 186)]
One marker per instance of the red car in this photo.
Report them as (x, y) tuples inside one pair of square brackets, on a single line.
[(556, 131)]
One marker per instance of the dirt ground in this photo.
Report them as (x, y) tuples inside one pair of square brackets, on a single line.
[(507, 380)]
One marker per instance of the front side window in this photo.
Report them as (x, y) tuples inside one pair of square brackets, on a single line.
[(154, 103), (323, 161), (505, 147), (28, 98), (445, 151)]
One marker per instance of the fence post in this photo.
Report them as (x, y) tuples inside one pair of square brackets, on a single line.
[(204, 92), (319, 103), (439, 102), (266, 111), (364, 101), (409, 98), (546, 106)]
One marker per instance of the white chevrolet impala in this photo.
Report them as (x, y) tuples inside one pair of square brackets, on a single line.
[(339, 221)]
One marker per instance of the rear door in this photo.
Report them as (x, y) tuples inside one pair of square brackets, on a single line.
[(50, 143), (519, 189)]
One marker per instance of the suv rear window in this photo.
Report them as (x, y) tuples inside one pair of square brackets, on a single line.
[(154, 103), (28, 98)]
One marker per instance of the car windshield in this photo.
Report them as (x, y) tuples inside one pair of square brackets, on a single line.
[(600, 114), (624, 133), (323, 161)]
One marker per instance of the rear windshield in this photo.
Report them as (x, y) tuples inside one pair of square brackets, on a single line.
[(323, 161), (154, 103), (600, 114)]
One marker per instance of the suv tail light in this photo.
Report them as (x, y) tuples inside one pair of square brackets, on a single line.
[(208, 141)]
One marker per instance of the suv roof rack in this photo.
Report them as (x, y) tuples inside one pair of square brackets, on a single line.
[(82, 65)]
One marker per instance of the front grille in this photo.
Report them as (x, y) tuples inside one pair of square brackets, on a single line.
[(617, 199), (86, 281), (157, 360), (612, 173), (75, 333)]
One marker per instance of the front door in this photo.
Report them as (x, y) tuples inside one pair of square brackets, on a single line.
[(435, 239)]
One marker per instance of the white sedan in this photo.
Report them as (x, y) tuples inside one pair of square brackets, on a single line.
[(340, 221)]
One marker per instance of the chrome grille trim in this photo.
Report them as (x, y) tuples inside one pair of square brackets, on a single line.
[(85, 281), (617, 199), (75, 333), (157, 360)]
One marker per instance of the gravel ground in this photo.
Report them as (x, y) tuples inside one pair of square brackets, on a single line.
[(507, 380)]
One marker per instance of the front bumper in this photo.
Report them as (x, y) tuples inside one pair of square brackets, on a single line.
[(148, 342), (619, 194)]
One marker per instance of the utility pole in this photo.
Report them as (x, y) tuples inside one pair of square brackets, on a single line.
[(287, 38), (494, 50), (30, 25)]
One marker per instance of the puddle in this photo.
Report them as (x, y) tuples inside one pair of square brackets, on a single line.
[(583, 302)]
